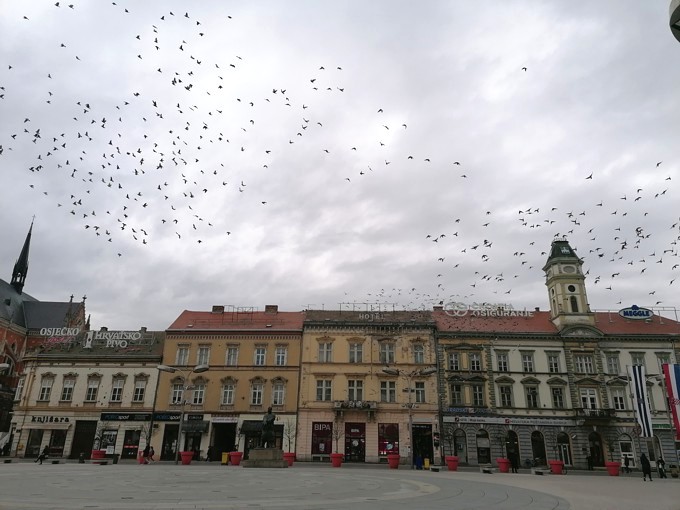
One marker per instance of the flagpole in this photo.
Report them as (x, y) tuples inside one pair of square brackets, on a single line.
[(668, 414)]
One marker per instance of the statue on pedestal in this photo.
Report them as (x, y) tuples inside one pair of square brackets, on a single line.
[(267, 439)]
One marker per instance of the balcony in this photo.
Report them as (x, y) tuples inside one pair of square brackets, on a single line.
[(594, 416), (341, 406)]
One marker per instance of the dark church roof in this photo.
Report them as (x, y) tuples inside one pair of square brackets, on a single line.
[(11, 304), (48, 314)]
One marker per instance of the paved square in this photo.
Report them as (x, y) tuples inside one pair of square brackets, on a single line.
[(26, 485)]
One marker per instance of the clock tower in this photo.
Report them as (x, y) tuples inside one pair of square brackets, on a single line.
[(566, 287)]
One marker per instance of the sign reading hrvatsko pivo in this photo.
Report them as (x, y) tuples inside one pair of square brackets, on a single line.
[(636, 313)]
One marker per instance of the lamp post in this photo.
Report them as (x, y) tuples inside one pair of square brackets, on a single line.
[(185, 386), (410, 405)]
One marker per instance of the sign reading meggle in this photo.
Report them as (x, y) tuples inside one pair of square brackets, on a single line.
[(636, 313)]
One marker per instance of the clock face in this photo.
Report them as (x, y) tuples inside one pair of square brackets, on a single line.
[(569, 269)]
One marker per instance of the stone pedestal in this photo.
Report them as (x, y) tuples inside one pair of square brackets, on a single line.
[(265, 458)]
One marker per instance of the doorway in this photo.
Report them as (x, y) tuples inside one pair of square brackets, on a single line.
[(224, 438), (564, 448), (595, 449), (57, 442), (422, 443), (538, 449), (460, 445), (34, 442), (355, 442), (169, 442), (483, 447), (83, 438), (130, 444)]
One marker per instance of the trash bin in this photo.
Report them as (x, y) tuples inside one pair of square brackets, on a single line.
[(116, 456), (674, 470), (225, 458)]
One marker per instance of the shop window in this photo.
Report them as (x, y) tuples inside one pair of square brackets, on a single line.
[(388, 438), (322, 438), (109, 437)]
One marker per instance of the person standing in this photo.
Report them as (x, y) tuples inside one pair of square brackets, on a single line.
[(661, 466), (151, 454), (626, 464), (208, 454), (646, 467), (145, 454), (514, 462), (589, 458)]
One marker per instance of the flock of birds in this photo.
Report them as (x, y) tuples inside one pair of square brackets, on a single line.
[(136, 165)]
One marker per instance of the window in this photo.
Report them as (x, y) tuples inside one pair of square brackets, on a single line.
[(661, 359), (323, 390), (256, 390), (553, 363), (528, 362), (108, 439), (388, 438), (228, 390), (386, 353), (278, 392), (478, 395), (637, 358), (532, 397), (557, 397), (457, 395), (203, 355), (584, 364), (454, 361), (92, 390), (67, 390), (177, 394), (20, 389), (356, 352), (574, 304), (502, 360), (140, 390), (45, 388), (418, 353), (182, 357), (232, 356), (588, 398), (388, 391), (419, 390), (281, 356), (613, 366), (325, 352), (506, 395), (260, 355), (198, 395), (475, 361), (355, 390), (117, 389), (619, 399)]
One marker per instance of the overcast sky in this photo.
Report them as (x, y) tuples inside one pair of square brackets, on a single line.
[(308, 154)]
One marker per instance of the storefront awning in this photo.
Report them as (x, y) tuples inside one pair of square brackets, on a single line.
[(251, 426)]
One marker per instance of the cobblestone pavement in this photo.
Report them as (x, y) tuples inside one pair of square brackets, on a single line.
[(25, 485)]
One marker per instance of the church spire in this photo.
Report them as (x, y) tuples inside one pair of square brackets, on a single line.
[(21, 265)]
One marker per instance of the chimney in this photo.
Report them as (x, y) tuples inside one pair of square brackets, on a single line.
[(438, 308), (218, 309), (103, 328), (537, 309), (271, 308), (142, 329)]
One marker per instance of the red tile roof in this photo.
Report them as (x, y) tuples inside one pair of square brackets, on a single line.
[(610, 323), (238, 321)]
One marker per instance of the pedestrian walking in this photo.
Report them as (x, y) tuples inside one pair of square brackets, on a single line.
[(626, 464), (646, 467), (43, 455), (208, 454), (589, 459), (661, 467), (514, 462), (151, 454), (145, 454)]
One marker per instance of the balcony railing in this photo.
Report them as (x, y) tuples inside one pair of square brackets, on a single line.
[(595, 414)]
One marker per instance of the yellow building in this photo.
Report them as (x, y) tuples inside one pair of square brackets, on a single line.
[(253, 361), (365, 377)]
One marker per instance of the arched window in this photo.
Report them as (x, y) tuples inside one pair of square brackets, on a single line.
[(574, 304)]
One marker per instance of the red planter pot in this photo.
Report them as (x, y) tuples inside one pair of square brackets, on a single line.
[(451, 462), (235, 458), (98, 454), (186, 457), (393, 460), (556, 467), (613, 468), (289, 457), (503, 465), (336, 459), (140, 457)]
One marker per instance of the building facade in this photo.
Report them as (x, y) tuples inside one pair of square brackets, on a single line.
[(90, 390), (542, 385), (253, 362), (365, 390)]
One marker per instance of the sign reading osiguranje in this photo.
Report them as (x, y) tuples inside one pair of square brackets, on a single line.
[(460, 309)]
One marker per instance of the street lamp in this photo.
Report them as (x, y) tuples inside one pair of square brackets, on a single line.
[(409, 377), (185, 379)]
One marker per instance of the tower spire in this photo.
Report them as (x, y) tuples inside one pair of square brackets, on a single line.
[(21, 265)]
